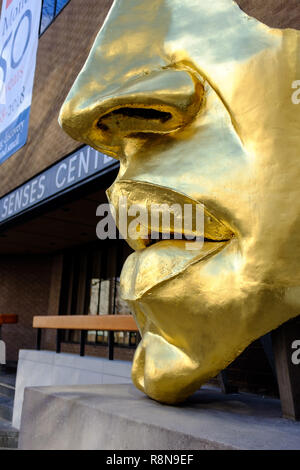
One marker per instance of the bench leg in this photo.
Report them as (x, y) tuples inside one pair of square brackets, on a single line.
[(38, 339), (111, 344), (58, 341), (284, 340), (82, 342)]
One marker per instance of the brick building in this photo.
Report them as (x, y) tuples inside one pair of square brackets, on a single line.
[(51, 261)]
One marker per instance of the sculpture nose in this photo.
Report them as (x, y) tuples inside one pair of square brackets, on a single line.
[(160, 102)]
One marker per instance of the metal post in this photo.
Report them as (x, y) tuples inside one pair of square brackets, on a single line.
[(111, 342), (58, 341), (288, 372), (38, 339), (82, 342)]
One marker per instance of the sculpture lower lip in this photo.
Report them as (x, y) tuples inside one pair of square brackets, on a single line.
[(144, 269)]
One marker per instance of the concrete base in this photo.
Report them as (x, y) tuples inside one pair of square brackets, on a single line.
[(118, 417), (39, 368)]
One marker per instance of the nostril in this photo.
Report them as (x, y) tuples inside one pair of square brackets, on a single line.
[(101, 126), (144, 113), (149, 114)]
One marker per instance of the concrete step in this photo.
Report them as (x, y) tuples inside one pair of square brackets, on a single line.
[(8, 436), (209, 420)]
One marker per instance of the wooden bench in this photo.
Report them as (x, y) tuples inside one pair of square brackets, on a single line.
[(84, 323)]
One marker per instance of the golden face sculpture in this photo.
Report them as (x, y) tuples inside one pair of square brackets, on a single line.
[(194, 98)]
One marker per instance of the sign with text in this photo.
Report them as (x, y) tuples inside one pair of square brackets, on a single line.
[(19, 26), (72, 170)]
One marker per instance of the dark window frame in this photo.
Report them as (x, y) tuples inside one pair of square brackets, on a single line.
[(78, 269)]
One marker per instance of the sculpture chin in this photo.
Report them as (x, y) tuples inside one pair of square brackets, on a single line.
[(163, 371), (179, 350), (194, 324)]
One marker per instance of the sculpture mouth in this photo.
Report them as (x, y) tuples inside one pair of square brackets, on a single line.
[(159, 237), (158, 259), (163, 249)]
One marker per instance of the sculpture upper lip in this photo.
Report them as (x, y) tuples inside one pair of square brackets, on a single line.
[(161, 102), (143, 195)]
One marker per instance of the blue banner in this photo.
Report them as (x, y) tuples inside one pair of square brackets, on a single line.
[(15, 136), (19, 27)]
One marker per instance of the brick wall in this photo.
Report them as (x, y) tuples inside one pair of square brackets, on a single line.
[(274, 13), (62, 52), (124, 354), (24, 290)]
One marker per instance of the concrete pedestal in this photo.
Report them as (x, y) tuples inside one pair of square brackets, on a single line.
[(118, 417), (43, 368)]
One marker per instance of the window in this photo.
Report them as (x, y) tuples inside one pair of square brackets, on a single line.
[(50, 9), (91, 286)]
